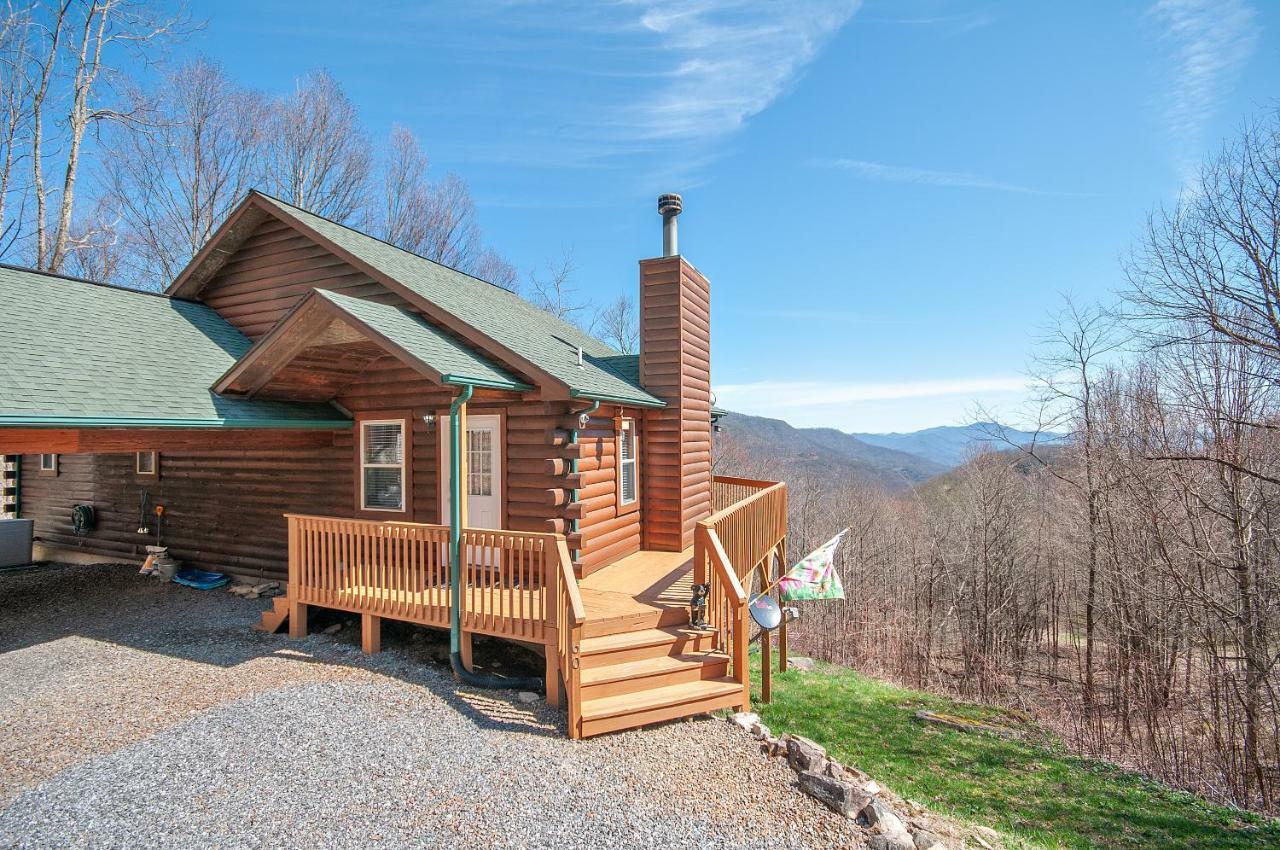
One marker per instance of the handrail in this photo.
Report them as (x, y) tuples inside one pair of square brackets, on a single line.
[(763, 492), (728, 546), (574, 595), (720, 561), (570, 616)]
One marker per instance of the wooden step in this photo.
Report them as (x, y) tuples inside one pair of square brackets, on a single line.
[(649, 673), (627, 711), (274, 617), (599, 625), (641, 644)]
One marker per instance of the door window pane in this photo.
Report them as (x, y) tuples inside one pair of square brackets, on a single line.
[(479, 462)]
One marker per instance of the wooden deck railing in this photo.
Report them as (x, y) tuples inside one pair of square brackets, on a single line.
[(747, 528), (511, 581), (571, 614), (750, 528)]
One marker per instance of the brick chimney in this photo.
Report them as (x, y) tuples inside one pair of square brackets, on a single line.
[(675, 366)]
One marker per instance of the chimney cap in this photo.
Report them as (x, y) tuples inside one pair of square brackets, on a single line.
[(670, 204)]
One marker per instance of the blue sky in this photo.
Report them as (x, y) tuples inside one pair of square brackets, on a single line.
[(889, 196)]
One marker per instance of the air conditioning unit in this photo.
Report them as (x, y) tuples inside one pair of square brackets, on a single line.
[(15, 542)]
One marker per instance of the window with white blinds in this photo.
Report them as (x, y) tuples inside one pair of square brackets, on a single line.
[(382, 465), (628, 484)]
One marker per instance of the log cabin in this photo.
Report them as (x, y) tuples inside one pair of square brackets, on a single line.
[(309, 404)]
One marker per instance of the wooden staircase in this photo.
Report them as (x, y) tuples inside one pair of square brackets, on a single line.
[(274, 617), (634, 673)]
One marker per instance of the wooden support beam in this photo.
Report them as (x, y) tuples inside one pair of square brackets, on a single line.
[(370, 633), (465, 652), (298, 620), (552, 674), (70, 441)]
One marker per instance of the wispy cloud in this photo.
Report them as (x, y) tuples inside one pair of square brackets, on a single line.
[(787, 393), (896, 406), (729, 59), (955, 24), (1209, 41), (926, 177)]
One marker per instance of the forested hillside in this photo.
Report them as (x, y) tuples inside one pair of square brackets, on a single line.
[(1124, 588)]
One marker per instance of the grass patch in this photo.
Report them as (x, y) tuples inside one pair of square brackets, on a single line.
[(1031, 790)]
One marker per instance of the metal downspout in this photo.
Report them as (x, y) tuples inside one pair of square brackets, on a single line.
[(460, 672), (573, 470)]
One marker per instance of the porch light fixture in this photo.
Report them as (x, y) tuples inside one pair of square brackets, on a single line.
[(429, 420), (584, 419)]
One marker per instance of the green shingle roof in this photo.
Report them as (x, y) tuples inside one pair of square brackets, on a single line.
[(82, 354), (549, 343), (455, 362)]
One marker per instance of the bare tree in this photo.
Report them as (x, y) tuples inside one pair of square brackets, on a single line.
[(436, 221), (491, 266), (553, 290), (15, 109), (44, 58), (1213, 262), (318, 155), (99, 252), (617, 325), (174, 184), (104, 27)]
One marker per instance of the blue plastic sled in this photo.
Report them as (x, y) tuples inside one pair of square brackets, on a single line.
[(201, 580)]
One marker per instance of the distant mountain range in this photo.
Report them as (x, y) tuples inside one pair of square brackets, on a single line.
[(892, 461), (953, 445)]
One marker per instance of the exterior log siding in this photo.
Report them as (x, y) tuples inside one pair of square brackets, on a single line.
[(223, 509), (226, 507)]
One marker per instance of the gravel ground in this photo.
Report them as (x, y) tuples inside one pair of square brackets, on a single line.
[(139, 714)]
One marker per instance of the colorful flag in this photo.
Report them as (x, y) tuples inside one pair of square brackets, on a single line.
[(814, 577)]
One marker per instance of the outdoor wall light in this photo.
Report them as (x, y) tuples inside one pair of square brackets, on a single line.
[(429, 420)]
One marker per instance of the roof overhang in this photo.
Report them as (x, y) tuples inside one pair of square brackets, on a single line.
[(256, 208), (312, 322), (609, 399)]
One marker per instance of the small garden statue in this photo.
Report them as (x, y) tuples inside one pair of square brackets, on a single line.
[(698, 606)]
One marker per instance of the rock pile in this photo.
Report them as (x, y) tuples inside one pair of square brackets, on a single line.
[(254, 591), (847, 791)]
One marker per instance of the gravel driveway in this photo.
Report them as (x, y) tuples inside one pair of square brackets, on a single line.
[(140, 714)]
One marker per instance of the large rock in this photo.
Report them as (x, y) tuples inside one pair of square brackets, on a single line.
[(882, 818), (841, 797), (745, 720), (889, 842), (803, 754), (926, 840)]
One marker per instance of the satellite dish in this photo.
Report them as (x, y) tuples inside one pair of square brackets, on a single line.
[(765, 611)]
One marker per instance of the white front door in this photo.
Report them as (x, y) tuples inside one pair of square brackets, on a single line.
[(484, 472)]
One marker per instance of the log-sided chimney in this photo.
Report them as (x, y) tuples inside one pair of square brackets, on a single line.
[(675, 366)]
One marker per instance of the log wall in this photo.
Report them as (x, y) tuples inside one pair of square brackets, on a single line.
[(225, 507)]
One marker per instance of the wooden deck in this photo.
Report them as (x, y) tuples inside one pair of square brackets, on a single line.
[(644, 590), (619, 649)]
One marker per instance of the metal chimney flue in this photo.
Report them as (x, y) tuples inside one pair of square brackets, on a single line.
[(669, 206)]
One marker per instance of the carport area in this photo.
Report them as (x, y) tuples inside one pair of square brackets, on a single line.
[(145, 714)]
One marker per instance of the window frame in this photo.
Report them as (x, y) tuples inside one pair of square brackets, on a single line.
[(623, 424), (405, 420), (48, 470), (154, 472)]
